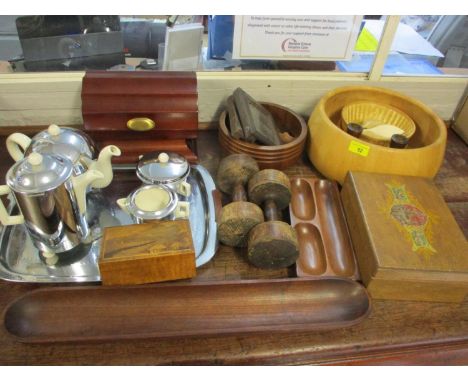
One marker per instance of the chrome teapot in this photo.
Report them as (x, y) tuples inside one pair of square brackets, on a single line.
[(69, 143), (51, 199)]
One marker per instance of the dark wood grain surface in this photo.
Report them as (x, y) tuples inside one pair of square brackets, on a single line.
[(111, 99), (396, 332), (317, 215), (168, 310), (147, 253)]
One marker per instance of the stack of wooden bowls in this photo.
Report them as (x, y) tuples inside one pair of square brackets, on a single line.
[(277, 157)]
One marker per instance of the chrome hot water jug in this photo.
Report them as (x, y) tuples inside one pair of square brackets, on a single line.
[(51, 199)]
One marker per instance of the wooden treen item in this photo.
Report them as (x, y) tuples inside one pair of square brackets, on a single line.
[(272, 244), (292, 128), (240, 216), (146, 253), (407, 242), (334, 152), (317, 215), (257, 122), (171, 310), (143, 108), (235, 126)]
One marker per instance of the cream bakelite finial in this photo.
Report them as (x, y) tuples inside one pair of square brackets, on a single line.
[(163, 158), (54, 130), (35, 159)]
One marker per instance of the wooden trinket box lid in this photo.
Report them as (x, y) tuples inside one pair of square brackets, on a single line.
[(144, 253), (407, 242)]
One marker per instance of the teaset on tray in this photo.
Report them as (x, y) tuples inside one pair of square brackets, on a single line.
[(60, 207), (171, 224)]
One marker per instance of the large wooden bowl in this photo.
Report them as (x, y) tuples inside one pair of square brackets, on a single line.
[(279, 157), (331, 149)]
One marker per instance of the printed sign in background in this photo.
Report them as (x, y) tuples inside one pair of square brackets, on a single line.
[(325, 38)]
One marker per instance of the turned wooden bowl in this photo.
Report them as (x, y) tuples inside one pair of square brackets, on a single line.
[(258, 155), (266, 163), (278, 157), (334, 152)]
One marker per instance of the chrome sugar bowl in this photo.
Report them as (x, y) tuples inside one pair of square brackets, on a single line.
[(165, 168), (154, 202)]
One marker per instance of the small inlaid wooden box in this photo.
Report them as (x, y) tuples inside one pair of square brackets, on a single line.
[(146, 253), (407, 242)]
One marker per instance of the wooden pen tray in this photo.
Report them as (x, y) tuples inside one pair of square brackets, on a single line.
[(325, 247)]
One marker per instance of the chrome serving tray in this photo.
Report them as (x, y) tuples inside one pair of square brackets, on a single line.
[(20, 261)]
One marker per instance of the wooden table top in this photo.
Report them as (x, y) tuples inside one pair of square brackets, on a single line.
[(396, 332)]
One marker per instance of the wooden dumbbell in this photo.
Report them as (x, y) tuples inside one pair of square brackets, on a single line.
[(272, 244), (238, 217)]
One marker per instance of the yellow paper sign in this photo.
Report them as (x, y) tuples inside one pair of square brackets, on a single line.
[(366, 42), (359, 148)]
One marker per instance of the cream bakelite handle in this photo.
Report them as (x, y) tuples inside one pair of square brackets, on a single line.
[(182, 211), (17, 144), (5, 218), (80, 184), (184, 189), (122, 203)]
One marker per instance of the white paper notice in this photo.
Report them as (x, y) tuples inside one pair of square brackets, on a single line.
[(406, 40), (325, 38)]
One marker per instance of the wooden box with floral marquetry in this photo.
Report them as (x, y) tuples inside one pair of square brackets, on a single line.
[(407, 242)]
